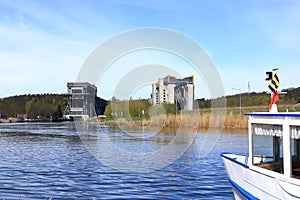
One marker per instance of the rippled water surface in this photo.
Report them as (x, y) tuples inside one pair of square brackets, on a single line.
[(49, 160)]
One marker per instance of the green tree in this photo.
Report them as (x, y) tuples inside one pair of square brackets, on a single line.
[(58, 113), (29, 106), (170, 108), (108, 110)]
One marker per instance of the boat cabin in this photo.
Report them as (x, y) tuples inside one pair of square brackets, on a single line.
[(274, 142)]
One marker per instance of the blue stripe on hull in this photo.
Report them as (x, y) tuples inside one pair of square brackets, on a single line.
[(234, 160), (245, 193)]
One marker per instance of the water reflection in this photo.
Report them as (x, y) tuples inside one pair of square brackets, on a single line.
[(141, 154), (40, 161)]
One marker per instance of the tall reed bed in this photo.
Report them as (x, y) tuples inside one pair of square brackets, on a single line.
[(203, 118), (208, 118), (173, 121)]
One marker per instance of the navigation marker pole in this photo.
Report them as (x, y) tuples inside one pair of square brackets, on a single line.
[(274, 84)]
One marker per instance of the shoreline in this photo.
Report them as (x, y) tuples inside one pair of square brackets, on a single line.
[(225, 118)]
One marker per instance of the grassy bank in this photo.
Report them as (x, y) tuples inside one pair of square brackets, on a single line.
[(203, 118)]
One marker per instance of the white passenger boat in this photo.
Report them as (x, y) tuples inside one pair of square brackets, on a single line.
[(271, 168)]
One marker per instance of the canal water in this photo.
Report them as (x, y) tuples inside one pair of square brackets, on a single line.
[(50, 161)]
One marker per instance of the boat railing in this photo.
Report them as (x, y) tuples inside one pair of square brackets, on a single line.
[(257, 158)]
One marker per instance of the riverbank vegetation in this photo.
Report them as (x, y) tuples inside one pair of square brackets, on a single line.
[(143, 113), (226, 118), (229, 116)]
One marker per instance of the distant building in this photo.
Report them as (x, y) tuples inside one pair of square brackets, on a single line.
[(184, 96), (83, 101), (164, 91), (22, 117)]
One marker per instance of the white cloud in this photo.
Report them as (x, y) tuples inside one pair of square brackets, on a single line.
[(32, 59), (43, 44)]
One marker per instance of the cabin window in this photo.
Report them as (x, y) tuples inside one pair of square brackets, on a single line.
[(295, 150), (267, 147)]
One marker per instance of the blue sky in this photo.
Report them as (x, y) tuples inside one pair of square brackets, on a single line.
[(44, 43)]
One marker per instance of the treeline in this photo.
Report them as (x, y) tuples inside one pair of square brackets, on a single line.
[(290, 96), (35, 105), (53, 105), (141, 108)]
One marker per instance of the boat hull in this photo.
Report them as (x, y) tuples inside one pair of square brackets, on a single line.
[(253, 183)]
